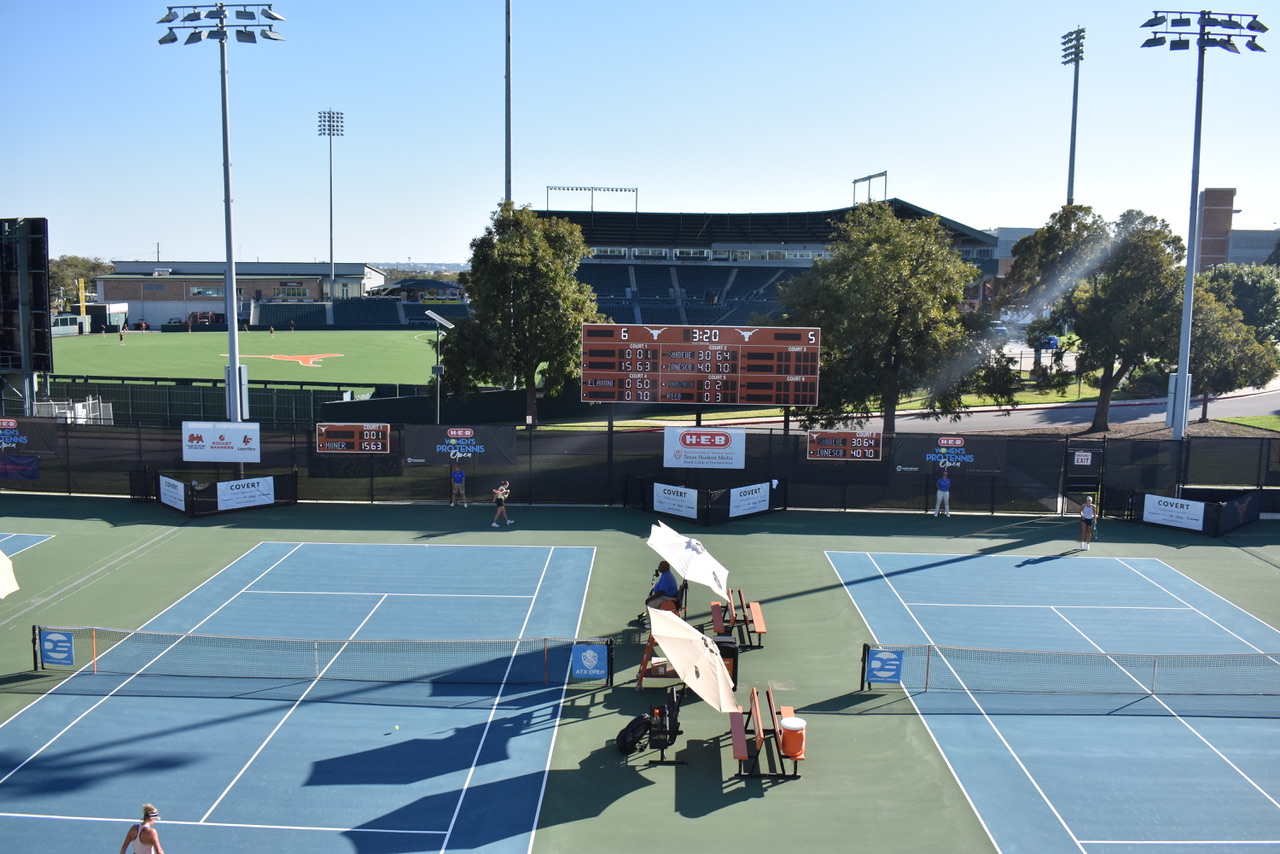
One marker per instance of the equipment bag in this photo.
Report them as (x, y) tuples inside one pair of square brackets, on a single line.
[(631, 735)]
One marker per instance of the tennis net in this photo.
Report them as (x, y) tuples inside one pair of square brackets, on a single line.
[(513, 661), (947, 668)]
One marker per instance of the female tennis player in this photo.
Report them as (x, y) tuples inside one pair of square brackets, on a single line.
[(144, 836), (500, 500), (1087, 518)]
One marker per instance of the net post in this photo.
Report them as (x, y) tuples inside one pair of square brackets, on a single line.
[(608, 681), (546, 669), (35, 648), (862, 673), (94, 634)]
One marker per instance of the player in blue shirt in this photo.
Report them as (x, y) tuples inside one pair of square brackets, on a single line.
[(944, 494)]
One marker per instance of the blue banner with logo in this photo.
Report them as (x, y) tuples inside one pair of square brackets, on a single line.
[(883, 665), (459, 445), (590, 661)]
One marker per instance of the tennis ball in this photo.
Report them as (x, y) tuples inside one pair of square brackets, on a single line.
[(397, 726)]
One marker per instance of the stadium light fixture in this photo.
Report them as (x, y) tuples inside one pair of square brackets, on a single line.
[(1073, 54), (331, 126), (210, 21), (1216, 30), (438, 372)]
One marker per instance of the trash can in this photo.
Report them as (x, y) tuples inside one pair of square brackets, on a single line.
[(728, 646), (793, 738)]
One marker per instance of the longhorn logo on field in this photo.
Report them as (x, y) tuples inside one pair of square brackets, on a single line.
[(305, 361)]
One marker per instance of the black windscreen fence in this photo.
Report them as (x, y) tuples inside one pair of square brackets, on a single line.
[(989, 474)]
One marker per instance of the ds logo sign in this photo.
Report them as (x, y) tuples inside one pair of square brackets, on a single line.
[(705, 439)]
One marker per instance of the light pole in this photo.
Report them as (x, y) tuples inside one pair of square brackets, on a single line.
[(211, 22), (1073, 54), (1216, 29), (437, 371), (330, 126)]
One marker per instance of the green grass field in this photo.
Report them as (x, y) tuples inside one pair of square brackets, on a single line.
[(354, 358)]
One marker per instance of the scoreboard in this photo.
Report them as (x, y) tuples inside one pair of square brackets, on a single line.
[(353, 438), (845, 445), (727, 365)]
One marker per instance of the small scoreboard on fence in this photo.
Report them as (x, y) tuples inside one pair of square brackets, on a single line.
[(725, 365), (846, 445), (353, 438)]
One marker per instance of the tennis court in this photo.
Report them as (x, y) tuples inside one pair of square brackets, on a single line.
[(284, 760), (1071, 753)]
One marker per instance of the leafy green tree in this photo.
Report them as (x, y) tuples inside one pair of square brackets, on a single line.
[(888, 303), (1274, 258), (1225, 353), (527, 307), (1252, 288), (1116, 285), (63, 272)]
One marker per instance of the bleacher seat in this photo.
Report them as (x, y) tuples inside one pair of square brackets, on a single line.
[(372, 311), (653, 282), (305, 315), (609, 281)]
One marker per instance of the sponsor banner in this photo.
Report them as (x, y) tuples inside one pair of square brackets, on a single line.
[(221, 442), (704, 448), (256, 492), (884, 665), (28, 436), (173, 493), (745, 500), (675, 500), (57, 648), (459, 445), (14, 467), (960, 454), (590, 661), (1174, 512), (845, 445)]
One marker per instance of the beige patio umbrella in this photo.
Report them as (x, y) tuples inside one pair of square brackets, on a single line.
[(695, 659), (8, 584), (690, 558)]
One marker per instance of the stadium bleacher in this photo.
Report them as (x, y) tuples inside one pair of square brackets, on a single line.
[(304, 315), (367, 312)]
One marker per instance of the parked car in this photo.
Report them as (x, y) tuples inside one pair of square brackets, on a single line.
[(1049, 342)]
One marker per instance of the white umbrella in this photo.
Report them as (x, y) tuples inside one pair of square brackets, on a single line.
[(695, 659), (8, 584), (690, 558)]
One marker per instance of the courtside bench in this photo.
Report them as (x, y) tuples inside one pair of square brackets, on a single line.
[(765, 739), (740, 616)]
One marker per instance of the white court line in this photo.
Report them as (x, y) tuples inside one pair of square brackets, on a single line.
[(493, 710), (289, 713), (237, 825), (389, 594), (1072, 607)]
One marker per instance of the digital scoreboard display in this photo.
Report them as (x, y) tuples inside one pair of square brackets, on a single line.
[(718, 365), (845, 445), (353, 438)]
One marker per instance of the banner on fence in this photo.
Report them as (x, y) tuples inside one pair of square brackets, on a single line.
[(704, 448), (1174, 512), (173, 493), (434, 444), (675, 500), (745, 500), (28, 436), (221, 442), (255, 492), (14, 467)]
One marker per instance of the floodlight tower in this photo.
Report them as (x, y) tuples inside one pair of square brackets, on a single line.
[(211, 22), (1216, 29), (330, 126), (1073, 54), (437, 370)]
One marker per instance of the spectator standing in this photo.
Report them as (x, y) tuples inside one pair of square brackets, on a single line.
[(459, 490), (943, 501), (500, 496)]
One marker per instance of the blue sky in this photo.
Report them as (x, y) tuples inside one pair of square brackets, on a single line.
[(702, 105)]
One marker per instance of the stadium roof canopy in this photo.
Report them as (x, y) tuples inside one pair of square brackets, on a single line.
[(629, 229)]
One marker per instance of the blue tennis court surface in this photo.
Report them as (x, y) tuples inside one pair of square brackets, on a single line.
[(11, 544), (1080, 772), (304, 766)]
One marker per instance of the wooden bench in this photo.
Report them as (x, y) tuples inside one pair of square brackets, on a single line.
[(751, 735), (752, 621)]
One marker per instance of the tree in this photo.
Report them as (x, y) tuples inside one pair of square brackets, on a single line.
[(65, 269), (888, 303), (1274, 258), (1225, 354), (527, 307), (1116, 285), (1252, 288)]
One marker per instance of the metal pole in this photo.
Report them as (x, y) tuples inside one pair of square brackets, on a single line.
[(234, 412), (331, 268), (437, 374), (1182, 388), (507, 196), (1071, 163)]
